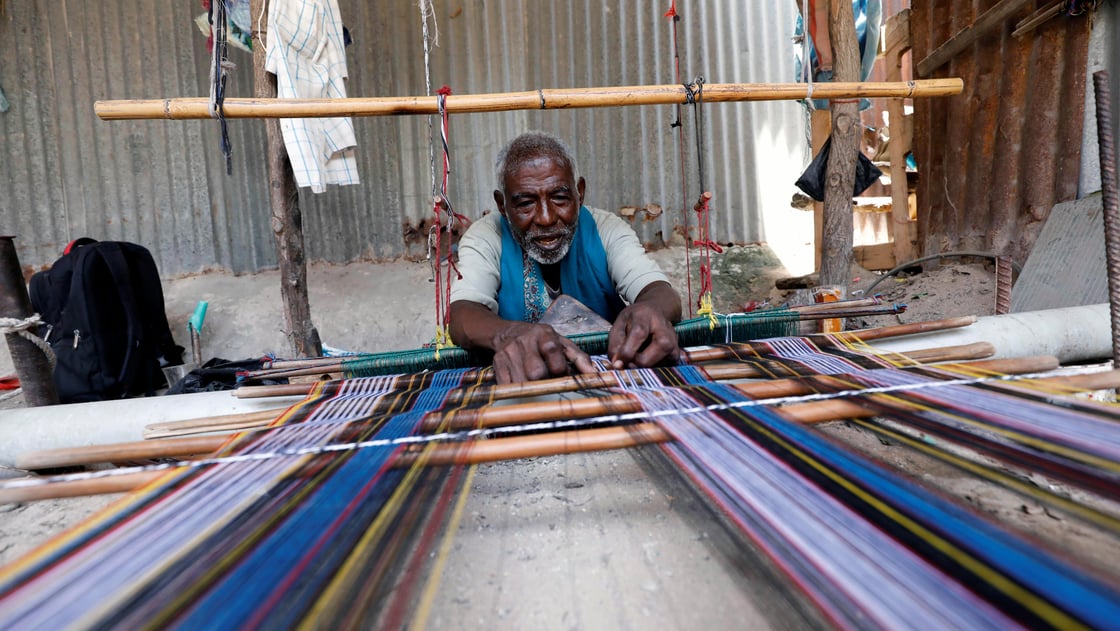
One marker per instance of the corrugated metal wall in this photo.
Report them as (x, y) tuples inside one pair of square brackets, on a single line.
[(160, 183), (67, 174), (994, 160)]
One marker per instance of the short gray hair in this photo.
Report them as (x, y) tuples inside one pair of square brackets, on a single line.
[(529, 145)]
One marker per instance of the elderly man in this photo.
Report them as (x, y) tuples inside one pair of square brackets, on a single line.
[(544, 242)]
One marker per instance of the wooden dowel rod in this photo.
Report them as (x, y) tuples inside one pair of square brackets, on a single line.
[(225, 422), (844, 311), (198, 107), (976, 350), (492, 416), (1107, 380), (122, 483), (120, 452), (988, 21), (538, 445), (839, 304), (899, 330), (1037, 19), (278, 390)]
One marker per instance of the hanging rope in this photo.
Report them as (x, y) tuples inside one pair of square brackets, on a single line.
[(445, 220), (428, 13), (695, 97), (674, 17), (220, 65)]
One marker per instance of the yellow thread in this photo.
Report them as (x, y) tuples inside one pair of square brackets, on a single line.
[(332, 594), (441, 339), (706, 309), (992, 576), (424, 609)]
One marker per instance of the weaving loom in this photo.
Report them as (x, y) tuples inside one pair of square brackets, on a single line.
[(335, 516)]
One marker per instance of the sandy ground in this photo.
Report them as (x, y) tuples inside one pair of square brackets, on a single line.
[(609, 540)]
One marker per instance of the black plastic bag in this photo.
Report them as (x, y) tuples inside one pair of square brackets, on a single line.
[(219, 374), (813, 179)]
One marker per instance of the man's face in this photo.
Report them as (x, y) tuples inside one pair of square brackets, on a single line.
[(541, 203)]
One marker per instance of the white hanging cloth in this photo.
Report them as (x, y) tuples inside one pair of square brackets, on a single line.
[(305, 51)]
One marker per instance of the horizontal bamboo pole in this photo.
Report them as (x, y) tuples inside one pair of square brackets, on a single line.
[(545, 99), (486, 417), (536, 445)]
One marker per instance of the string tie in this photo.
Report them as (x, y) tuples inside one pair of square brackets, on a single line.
[(689, 95), (22, 329)]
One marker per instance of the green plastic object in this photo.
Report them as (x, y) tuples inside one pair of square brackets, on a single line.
[(199, 316)]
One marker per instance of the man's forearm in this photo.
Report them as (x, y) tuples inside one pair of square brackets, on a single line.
[(664, 298), (475, 326)]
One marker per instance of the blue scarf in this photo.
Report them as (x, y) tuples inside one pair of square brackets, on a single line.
[(522, 295)]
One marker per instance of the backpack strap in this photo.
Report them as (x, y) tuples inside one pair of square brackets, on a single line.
[(151, 307), (114, 258), (77, 243)]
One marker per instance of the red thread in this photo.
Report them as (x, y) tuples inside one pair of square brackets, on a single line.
[(712, 245), (705, 242)]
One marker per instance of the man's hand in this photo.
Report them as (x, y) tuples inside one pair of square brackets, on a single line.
[(525, 352), (522, 351), (643, 334)]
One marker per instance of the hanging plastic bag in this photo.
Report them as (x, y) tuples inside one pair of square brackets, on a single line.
[(813, 179)]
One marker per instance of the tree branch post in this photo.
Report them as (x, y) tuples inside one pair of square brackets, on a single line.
[(286, 219), (840, 174)]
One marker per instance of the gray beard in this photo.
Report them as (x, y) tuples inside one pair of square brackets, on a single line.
[(567, 235)]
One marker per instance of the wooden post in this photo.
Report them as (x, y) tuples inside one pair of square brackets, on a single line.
[(287, 220), (898, 42), (836, 245), (820, 124), (32, 366)]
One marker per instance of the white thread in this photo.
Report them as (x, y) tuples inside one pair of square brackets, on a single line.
[(260, 34), (427, 12), (549, 425)]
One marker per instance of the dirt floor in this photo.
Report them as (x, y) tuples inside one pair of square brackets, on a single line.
[(389, 306)]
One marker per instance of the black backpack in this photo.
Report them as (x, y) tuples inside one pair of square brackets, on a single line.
[(103, 314)]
